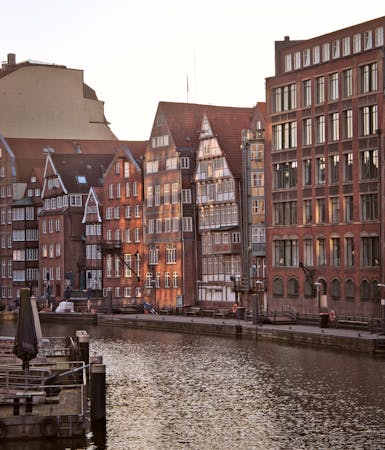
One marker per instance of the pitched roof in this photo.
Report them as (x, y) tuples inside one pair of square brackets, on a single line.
[(89, 167), (184, 121), (31, 153)]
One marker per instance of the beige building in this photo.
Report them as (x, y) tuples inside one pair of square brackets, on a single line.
[(41, 100)]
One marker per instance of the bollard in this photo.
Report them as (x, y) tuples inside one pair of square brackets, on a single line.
[(83, 341), (98, 392)]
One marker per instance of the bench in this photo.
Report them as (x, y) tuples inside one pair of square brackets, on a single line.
[(221, 313), (193, 311), (351, 324), (208, 312)]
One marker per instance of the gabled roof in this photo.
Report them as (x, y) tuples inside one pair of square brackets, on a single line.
[(97, 194), (31, 153), (71, 167), (184, 121)]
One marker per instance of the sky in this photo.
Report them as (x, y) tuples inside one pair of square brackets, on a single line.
[(137, 53)]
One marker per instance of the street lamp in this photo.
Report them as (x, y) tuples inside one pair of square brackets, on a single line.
[(318, 285), (382, 310), (259, 285)]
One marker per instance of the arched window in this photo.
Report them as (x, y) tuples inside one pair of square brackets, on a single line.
[(278, 286), (376, 291), (335, 289), (292, 287), (349, 290), (365, 290)]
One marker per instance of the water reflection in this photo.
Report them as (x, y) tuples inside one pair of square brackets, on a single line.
[(179, 391)]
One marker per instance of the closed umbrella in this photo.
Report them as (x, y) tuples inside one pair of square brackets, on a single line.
[(26, 344)]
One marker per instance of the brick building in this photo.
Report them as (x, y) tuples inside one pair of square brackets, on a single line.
[(325, 172)]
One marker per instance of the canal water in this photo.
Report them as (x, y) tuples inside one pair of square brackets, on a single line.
[(179, 391)]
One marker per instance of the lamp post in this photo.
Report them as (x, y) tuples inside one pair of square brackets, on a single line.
[(382, 306), (257, 302), (317, 284)]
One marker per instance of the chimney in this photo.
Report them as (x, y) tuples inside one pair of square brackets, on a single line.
[(11, 59)]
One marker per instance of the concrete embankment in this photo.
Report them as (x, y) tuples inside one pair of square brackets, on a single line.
[(331, 338)]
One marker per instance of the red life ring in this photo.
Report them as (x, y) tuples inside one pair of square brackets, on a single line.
[(332, 315), (235, 308)]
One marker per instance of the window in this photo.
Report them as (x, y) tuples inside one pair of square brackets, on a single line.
[(186, 195), (325, 52), (368, 120), (278, 286), (118, 191), (137, 211), (320, 170), (75, 200), (356, 43), (171, 163), (297, 60), (284, 98), (127, 189), (333, 86), (368, 42), (349, 290), (349, 252), (321, 210), (348, 200), (288, 63), (307, 212), (370, 251), (285, 213), (346, 46), (335, 289), (308, 252), (170, 254), (285, 136), (285, 252), (321, 252), (167, 280), (187, 224), (184, 162), (306, 57), (157, 195), (335, 252), (135, 189), (369, 164), (174, 192), (335, 209), (153, 255), (335, 49), (307, 129), (306, 86), (369, 207), (126, 169), (334, 162), (137, 234), (166, 194), (292, 287), (379, 36), (320, 129), (285, 175), (160, 141), (368, 78), (150, 198), (347, 77), (334, 124), (348, 166), (175, 282), (127, 212), (316, 54), (348, 124)]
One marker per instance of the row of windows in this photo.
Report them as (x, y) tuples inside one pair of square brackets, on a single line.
[(169, 225), (155, 282), (170, 254), (51, 250), (286, 252), (115, 190), (220, 191), (322, 210), (170, 194), (335, 49), (94, 229), (61, 202), (29, 254), (225, 238), (368, 290), (331, 87), (113, 212), (125, 165), (6, 191), (169, 164), (19, 214), (54, 273), (25, 235), (123, 235), (53, 225), (315, 130), (218, 216), (327, 171)]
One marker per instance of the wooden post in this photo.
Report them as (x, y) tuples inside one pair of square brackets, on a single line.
[(98, 392)]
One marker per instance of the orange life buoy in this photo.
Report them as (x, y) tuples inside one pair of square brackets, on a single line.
[(332, 315), (235, 308)]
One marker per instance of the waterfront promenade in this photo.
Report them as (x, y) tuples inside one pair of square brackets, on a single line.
[(331, 338)]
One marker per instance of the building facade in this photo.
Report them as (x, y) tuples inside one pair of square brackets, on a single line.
[(325, 172)]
